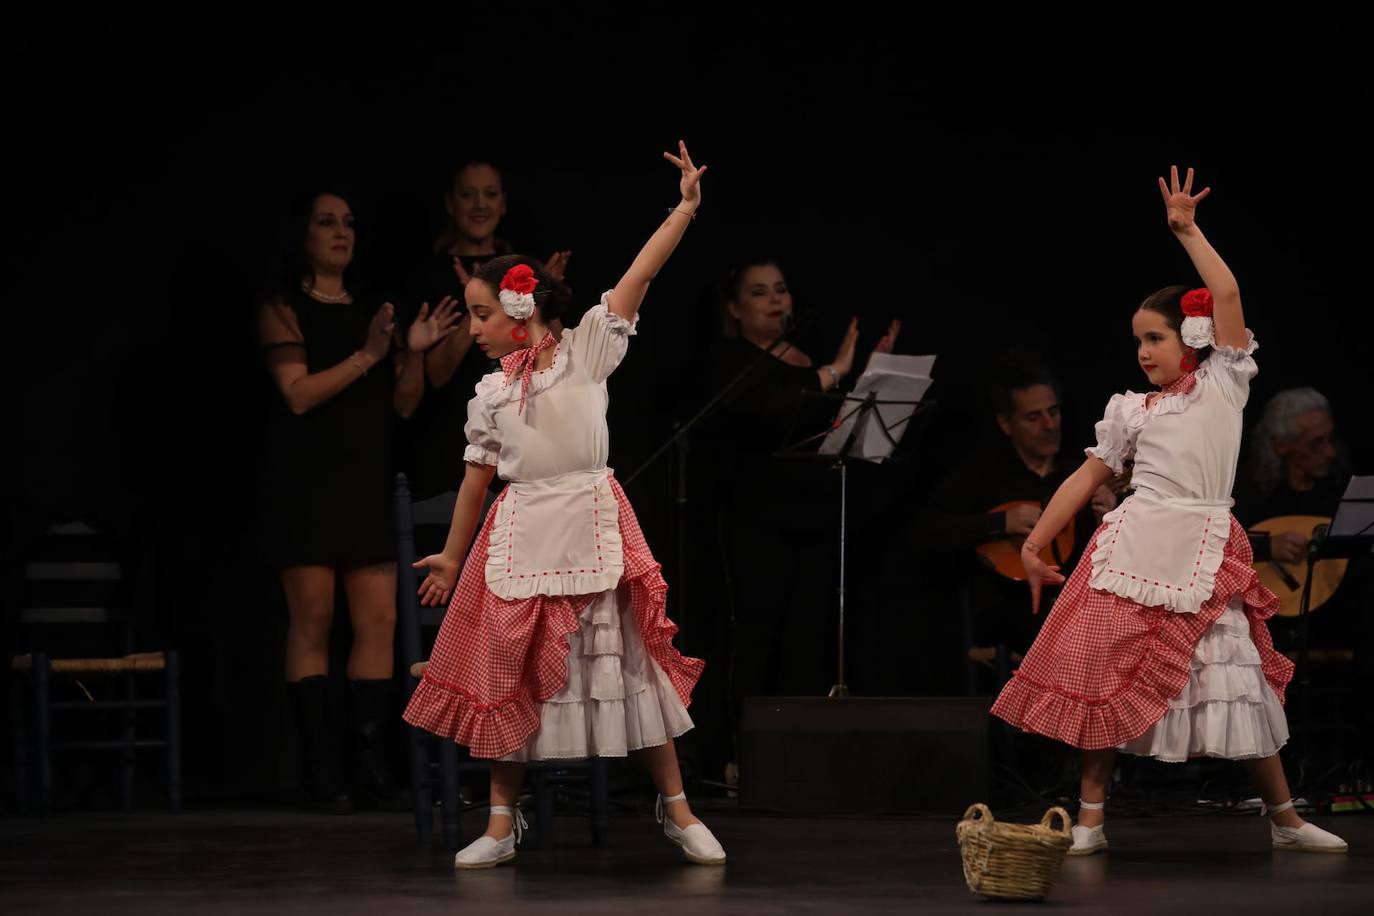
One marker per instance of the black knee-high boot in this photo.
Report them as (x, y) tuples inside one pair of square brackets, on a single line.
[(324, 788), (373, 715)]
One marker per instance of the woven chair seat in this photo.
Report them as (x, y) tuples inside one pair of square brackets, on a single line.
[(139, 661)]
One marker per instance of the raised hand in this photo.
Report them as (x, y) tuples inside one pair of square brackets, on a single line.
[(889, 339), (463, 276), (379, 332), (557, 264), (690, 181), (1181, 203), (844, 356), (427, 330), (630, 290)]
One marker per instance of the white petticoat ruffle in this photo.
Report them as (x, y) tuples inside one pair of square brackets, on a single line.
[(617, 699), (1227, 709)]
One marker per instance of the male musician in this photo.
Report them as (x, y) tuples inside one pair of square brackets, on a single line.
[(1294, 466), (1022, 468)]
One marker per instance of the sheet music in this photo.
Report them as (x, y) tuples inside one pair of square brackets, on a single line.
[(892, 378), (1355, 514), (1360, 488)]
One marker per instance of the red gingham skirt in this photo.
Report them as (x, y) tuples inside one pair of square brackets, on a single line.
[(1104, 668), (494, 661)]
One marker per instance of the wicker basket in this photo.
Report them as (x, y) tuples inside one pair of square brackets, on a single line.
[(1012, 861)]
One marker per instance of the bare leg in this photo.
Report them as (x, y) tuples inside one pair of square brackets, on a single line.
[(310, 605), (1096, 775), (661, 762), (1267, 775), (507, 779), (371, 594)]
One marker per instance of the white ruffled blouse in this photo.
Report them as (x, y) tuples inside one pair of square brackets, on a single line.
[(562, 427)]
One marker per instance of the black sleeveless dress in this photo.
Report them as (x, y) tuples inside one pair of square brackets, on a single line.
[(327, 473)]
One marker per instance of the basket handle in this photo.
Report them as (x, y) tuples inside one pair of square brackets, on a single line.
[(1063, 816), (982, 810)]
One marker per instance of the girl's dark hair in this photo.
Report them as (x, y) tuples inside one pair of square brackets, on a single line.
[(549, 295), (1169, 303), (449, 234)]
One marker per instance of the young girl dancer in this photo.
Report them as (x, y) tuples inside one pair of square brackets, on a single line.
[(555, 645), (1158, 646)]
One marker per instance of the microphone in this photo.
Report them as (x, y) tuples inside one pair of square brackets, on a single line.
[(788, 323)]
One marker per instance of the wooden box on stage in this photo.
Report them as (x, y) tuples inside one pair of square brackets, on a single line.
[(864, 755)]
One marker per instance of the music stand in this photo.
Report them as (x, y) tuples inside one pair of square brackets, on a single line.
[(1351, 533), (884, 400), (1349, 536)]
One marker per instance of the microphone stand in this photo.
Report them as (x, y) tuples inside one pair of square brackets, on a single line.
[(679, 441)]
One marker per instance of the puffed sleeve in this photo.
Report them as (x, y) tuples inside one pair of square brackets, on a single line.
[(600, 341), (1231, 368), (484, 444), (1118, 430)]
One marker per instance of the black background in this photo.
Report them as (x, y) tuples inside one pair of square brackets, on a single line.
[(987, 181)]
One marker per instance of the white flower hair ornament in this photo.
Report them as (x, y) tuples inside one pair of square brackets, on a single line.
[(1198, 330)]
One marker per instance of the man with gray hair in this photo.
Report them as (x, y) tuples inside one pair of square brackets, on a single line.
[(1293, 468)]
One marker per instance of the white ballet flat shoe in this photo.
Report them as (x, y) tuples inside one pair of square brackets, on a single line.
[(1088, 840), (488, 852), (1307, 838), (698, 844)]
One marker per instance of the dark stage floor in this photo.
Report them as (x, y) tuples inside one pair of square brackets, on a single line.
[(278, 861)]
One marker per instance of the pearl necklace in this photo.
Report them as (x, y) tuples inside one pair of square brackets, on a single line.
[(323, 297)]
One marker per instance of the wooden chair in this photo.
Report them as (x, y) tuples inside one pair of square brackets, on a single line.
[(72, 612)]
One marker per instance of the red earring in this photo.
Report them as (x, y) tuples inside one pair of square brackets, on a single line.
[(1189, 361), (519, 333)]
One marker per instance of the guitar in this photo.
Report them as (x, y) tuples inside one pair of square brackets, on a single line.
[(1003, 556), (1286, 579)]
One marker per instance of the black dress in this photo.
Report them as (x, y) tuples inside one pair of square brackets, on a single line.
[(327, 481)]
